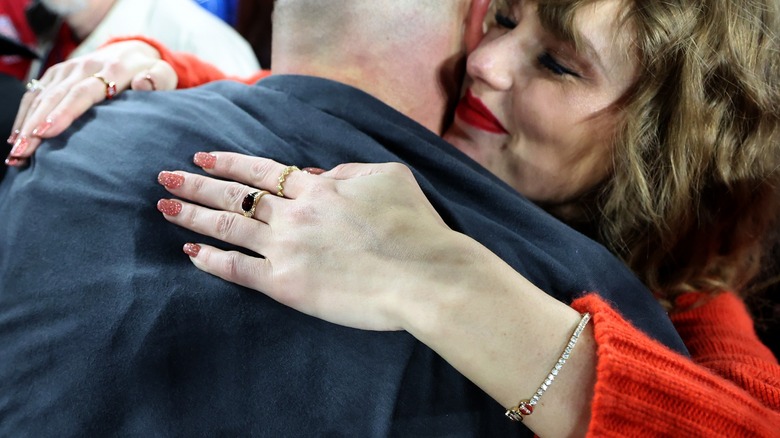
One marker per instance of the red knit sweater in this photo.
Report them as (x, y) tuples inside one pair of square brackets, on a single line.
[(729, 387)]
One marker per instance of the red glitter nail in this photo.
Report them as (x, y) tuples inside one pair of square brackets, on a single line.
[(13, 162), (204, 160), (168, 207), (170, 180), (14, 136), (20, 147), (191, 249), (42, 128)]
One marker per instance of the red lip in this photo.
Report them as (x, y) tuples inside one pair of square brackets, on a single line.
[(472, 111)]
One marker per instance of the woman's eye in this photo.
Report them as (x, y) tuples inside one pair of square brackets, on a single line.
[(505, 21), (551, 64)]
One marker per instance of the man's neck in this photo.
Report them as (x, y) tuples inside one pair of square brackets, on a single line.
[(84, 22), (420, 85)]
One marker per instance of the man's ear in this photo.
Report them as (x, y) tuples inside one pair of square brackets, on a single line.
[(474, 24)]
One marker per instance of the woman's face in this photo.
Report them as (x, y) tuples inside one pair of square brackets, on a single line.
[(538, 114)]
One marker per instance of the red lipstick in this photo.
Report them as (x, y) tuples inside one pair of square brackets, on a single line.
[(472, 111)]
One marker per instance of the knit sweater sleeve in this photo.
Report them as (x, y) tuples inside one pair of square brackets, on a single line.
[(729, 387), (191, 70)]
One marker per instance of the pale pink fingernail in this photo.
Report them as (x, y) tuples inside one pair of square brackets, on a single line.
[(170, 180), (19, 146), (169, 207), (191, 249), (13, 137), (40, 131), (204, 160), (14, 162)]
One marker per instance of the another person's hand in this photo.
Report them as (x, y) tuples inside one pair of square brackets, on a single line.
[(358, 245), (70, 88)]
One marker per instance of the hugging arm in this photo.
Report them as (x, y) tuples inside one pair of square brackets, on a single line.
[(397, 268), (67, 90), (361, 246)]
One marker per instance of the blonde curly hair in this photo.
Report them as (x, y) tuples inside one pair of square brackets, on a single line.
[(693, 196)]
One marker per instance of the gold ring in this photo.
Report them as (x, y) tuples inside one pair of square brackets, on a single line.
[(249, 204), (282, 178), (34, 86), (111, 90), (149, 79)]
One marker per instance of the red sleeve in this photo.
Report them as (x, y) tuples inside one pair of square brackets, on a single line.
[(189, 68), (729, 387)]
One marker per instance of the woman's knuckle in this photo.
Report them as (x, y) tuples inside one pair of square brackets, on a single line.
[(113, 69), (399, 169), (197, 183), (226, 223), (233, 193), (89, 66), (260, 170), (301, 215), (231, 265), (81, 89)]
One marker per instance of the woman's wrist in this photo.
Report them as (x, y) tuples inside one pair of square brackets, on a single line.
[(450, 280), (504, 334)]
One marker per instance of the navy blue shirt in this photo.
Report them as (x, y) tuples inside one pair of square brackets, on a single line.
[(107, 328)]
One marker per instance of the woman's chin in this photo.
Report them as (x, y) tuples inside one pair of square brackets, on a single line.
[(469, 141)]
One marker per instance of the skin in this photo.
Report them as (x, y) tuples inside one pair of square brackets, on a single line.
[(437, 284), (413, 84), (559, 125), (68, 90), (432, 282)]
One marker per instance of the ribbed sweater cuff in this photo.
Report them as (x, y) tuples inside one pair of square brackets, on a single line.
[(643, 388)]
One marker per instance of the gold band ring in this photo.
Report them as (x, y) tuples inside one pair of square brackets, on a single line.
[(149, 79), (111, 90), (249, 204), (282, 178)]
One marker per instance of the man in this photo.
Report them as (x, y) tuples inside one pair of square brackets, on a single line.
[(105, 328)]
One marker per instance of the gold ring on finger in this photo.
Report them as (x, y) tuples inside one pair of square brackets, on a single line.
[(111, 90), (249, 204), (282, 178)]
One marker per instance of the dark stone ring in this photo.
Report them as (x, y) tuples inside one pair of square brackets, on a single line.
[(249, 204)]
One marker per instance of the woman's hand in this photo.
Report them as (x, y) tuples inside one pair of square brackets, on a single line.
[(359, 246), (69, 89)]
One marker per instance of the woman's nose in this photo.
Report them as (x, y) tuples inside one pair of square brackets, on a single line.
[(493, 62)]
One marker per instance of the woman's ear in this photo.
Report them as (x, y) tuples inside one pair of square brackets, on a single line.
[(475, 24)]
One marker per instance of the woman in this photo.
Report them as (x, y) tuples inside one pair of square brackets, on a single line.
[(651, 123)]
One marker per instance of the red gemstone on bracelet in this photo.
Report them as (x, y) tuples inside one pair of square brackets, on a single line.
[(525, 408)]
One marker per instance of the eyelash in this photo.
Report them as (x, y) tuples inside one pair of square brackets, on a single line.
[(550, 63), (546, 60), (504, 21)]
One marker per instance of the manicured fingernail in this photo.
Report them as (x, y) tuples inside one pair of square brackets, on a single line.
[(168, 207), (14, 136), (204, 160), (14, 162), (191, 249), (19, 146), (42, 128), (314, 170), (170, 180)]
